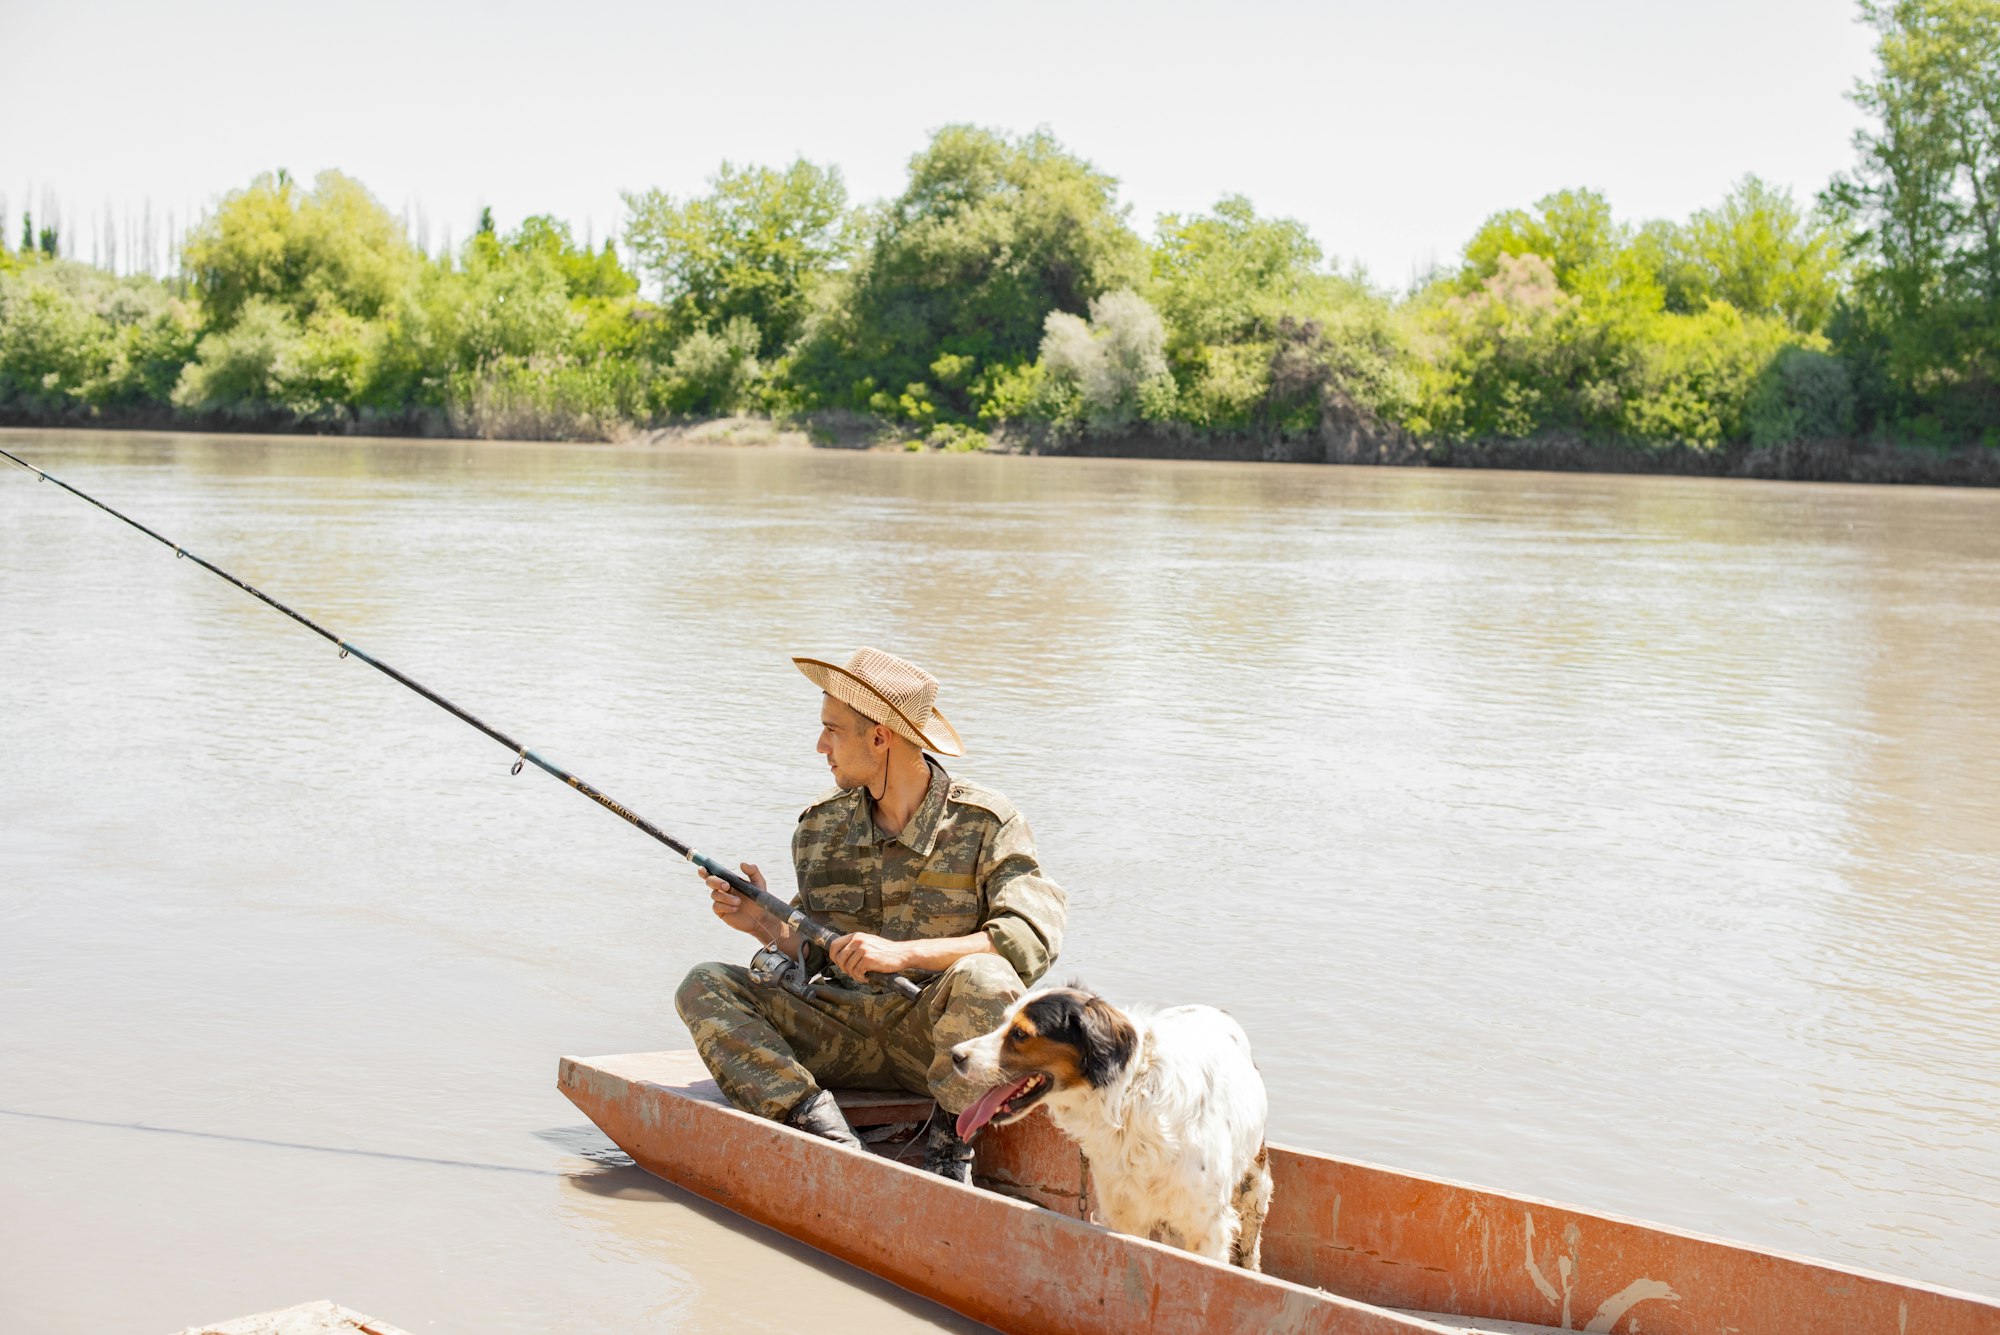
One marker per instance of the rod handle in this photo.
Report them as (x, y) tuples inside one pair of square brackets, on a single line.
[(770, 903)]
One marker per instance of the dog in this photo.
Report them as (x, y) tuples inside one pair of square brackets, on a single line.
[(1167, 1106)]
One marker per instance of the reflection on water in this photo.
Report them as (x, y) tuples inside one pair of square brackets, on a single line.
[(1623, 840)]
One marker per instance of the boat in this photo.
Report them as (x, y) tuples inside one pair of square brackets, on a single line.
[(1350, 1248)]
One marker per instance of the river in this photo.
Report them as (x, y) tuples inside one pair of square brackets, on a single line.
[(1630, 841)]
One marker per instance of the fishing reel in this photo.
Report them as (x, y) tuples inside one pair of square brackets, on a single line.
[(772, 967)]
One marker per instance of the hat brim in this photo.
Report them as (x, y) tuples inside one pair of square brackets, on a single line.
[(855, 692)]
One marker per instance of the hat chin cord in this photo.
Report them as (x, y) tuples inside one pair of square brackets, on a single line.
[(878, 783)]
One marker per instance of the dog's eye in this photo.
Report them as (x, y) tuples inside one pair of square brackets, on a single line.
[(1018, 1034)]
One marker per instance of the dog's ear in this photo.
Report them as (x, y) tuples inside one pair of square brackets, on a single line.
[(1106, 1041)]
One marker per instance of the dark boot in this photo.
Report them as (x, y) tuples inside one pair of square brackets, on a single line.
[(946, 1155), (820, 1115)]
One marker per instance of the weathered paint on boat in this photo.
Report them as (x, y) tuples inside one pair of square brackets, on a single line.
[(1350, 1248)]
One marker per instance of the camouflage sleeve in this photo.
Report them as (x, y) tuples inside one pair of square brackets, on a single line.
[(1025, 909)]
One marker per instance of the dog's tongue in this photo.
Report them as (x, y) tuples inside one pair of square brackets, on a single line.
[(980, 1113)]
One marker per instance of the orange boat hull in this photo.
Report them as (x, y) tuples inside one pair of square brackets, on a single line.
[(1349, 1247)]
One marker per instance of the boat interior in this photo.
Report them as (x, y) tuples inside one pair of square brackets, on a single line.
[(892, 1125)]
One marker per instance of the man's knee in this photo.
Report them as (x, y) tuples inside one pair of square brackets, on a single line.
[(971, 1001), (708, 988), (984, 977)]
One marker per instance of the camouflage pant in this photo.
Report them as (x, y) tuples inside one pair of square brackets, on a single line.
[(768, 1048)]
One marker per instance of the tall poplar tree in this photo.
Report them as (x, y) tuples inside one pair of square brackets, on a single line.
[(1925, 198)]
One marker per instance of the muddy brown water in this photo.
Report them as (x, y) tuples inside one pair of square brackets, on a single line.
[(1627, 841)]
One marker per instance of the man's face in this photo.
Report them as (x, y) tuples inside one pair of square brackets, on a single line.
[(846, 739)]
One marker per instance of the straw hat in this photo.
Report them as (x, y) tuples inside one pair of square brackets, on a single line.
[(888, 690)]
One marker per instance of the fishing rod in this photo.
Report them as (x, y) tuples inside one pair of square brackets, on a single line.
[(810, 928)]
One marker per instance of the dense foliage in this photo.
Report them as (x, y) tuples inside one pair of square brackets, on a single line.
[(953, 279), (1921, 327), (1005, 290)]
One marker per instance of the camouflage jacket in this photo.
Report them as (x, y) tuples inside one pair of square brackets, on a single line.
[(965, 862)]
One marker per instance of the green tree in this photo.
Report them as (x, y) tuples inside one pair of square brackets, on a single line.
[(1803, 394), (1513, 357), (330, 249), (1694, 375), (243, 370), (53, 348), (1925, 200), (523, 322), (1572, 229), (753, 248), (1686, 284), (586, 274), (991, 234), (1259, 335), (74, 339), (1756, 251), (1216, 277), (1592, 256), (1659, 335), (502, 301)]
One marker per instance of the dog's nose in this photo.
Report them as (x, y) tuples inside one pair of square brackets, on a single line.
[(958, 1059)]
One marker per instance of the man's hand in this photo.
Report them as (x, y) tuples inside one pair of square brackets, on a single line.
[(737, 911), (859, 954)]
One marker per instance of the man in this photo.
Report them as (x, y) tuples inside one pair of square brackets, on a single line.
[(929, 876)]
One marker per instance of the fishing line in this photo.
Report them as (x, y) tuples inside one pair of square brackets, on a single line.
[(813, 930)]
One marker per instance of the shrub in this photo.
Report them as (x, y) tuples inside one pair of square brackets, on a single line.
[(1695, 374), (244, 370), (548, 398), (957, 439), (1116, 363), (714, 372), (53, 349), (1226, 383), (512, 303), (1024, 390), (1803, 394), (1508, 359)]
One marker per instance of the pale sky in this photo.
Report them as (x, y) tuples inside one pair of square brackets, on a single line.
[(1390, 130)]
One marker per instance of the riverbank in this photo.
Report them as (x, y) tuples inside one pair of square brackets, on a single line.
[(1844, 460), (1833, 460)]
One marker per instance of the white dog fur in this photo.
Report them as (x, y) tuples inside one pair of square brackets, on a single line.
[(1167, 1106)]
